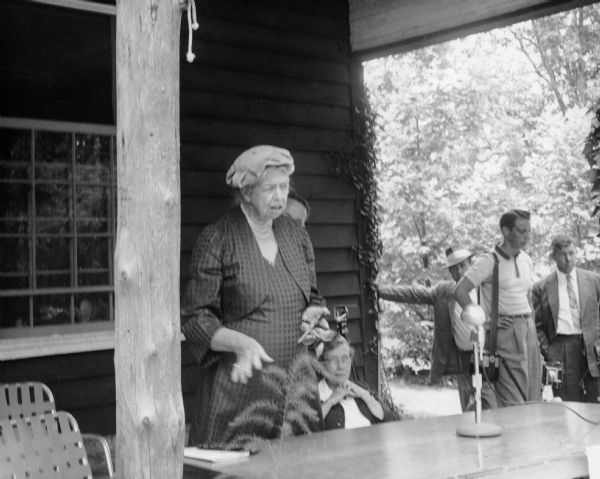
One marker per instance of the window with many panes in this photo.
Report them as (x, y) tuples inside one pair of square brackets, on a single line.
[(57, 175), (57, 228)]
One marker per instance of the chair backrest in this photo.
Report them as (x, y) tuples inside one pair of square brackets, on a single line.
[(25, 399), (45, 446)]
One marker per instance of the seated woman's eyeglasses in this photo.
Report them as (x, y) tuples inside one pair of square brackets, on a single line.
[(338, 360)]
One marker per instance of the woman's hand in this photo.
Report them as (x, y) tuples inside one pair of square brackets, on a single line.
[(356, 391), (250, 355), (361, 393), (336, 397)]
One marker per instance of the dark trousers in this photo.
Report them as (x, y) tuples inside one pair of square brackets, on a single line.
[(577, 384)]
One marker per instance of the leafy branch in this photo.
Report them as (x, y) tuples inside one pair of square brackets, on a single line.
[(286, 409)]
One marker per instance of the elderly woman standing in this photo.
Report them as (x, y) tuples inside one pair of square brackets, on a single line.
[(252, 287)]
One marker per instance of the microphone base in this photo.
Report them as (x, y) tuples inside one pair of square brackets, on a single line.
[(481, 429)]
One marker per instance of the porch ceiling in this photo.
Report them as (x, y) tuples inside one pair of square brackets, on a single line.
[(384, 27)]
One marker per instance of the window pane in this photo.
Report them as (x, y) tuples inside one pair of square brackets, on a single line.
[(92, 158), (14, 208), (15, 154), (96, 225), (52, 208), (92, 203), (14, 312), (92, 261), (14, 263), (57, 62), (92, 307), (53, 309), (53, 262), (53, 157)]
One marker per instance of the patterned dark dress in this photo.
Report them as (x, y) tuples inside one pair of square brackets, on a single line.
[(232, 285)]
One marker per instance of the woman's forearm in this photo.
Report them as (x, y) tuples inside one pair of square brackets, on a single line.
[(227, 340), (373, 405)]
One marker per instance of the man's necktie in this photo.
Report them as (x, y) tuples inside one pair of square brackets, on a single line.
[(573, 305)]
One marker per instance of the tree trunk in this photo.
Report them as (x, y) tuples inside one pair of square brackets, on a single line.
[(150, 418)]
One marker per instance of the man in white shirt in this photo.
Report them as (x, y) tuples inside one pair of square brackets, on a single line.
[(520, 376), (452, 345), (566, 304)]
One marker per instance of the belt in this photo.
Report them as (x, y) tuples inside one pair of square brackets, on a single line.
[(574, 335), (515, 316)]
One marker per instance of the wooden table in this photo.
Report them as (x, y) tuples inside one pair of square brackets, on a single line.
[(539, 440)]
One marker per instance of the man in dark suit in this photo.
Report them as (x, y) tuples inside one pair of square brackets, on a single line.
[(451, 336), (566, 304)]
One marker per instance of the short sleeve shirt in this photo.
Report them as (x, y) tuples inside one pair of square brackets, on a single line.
[(461, 331), (514, 279)]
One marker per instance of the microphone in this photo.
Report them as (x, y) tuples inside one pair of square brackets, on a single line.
[(474, 315)]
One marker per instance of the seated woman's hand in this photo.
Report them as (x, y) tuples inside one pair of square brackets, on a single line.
[(356, 391)]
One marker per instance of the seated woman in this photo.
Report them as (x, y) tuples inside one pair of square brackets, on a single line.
[(345, 404)]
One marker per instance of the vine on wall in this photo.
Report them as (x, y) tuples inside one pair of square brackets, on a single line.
[(357, 166)]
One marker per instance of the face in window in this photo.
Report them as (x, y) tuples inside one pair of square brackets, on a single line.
[(296, 210), (267, 199), (338, 364)]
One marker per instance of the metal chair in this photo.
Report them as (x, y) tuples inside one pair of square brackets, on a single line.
[(25, 399), (42, 447), (31, 400)]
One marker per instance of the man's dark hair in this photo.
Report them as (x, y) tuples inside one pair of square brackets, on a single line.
[(509, 218), (559, 242), (293, 194)]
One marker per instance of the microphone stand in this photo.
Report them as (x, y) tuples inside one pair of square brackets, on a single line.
[(479, 429)]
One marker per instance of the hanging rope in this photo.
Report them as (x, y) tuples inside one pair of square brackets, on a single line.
[(192, 25)]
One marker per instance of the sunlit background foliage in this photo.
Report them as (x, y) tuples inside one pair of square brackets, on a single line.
[(473, 127)]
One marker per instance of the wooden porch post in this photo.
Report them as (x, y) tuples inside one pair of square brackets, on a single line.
[(150, 417)]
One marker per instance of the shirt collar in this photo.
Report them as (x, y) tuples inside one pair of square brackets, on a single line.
[(572, 274), (503, 254)]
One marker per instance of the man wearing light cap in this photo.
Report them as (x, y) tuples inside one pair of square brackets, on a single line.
[(452, 345)]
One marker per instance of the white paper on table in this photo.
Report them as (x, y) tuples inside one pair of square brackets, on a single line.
[(192, 455), (593, 457)]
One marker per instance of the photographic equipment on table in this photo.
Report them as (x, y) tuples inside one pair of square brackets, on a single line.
[(340, 315), (474, 315), (552, 373)]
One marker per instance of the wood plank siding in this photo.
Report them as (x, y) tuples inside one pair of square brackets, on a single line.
[(266, 72), (383, 27), (275, 72)]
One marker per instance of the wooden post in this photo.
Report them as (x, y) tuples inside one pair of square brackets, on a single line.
[(150, 417)]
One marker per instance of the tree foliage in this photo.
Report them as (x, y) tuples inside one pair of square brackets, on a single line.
[(473, 127)]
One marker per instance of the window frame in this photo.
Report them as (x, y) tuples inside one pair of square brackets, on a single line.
[(69, 338)]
